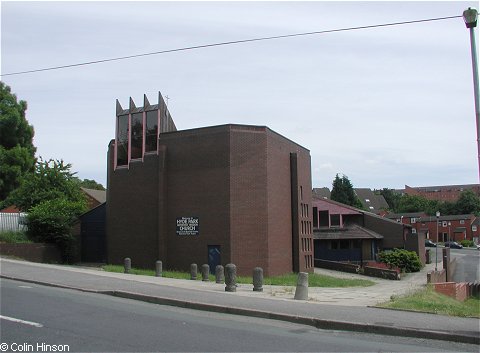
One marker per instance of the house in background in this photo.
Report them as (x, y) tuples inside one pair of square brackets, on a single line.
[(345, 233), (370, 201), (94, 197), (449, 193), (454, 227)]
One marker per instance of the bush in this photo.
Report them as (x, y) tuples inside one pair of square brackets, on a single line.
[(51, 222), (407, 261), (11, 236), (467, 243)]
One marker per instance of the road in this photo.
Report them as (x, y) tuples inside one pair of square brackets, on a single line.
[(92, 322), (468, 265)]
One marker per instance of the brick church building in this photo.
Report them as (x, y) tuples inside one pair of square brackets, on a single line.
[(221, 194)]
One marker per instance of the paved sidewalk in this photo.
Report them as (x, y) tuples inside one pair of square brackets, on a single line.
[(336, 308)]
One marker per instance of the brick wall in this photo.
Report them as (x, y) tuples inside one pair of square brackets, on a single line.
[(35, 252), (236, 179), (459, 291)]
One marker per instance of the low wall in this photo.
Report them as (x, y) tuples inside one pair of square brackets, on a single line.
[(339, 266), (35, 252), (381, 273), (459, 291)]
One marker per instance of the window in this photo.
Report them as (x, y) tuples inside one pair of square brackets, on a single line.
[(414, 231), (344, 244), (323, 218), (462, 221), (334, 244), (137, 136), (122, 140), (413, 220), (151, 131), (371, 207), (335, 220), (367, 200), (315, 217), (474, 228)]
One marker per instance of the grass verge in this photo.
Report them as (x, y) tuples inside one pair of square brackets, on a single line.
[(314, 280), (10, 236), (428, 300)]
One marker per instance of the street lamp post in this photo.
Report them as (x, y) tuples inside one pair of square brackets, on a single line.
[(436, 248), (449, 224), (470, 18)]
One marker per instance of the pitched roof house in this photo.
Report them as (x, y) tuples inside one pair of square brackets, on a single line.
[(370, 201), (345, 233)]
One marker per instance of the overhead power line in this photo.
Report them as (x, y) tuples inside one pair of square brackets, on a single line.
[(229, 43)]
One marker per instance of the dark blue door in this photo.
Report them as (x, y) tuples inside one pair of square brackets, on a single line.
[(213, 257)]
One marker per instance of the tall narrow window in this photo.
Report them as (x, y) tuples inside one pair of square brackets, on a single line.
[(151, 131), (137, 136), (122, 140)]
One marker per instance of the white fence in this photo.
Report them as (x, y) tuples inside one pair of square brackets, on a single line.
[(13, 221)]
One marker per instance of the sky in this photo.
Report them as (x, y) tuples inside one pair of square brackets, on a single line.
[(387, 106)]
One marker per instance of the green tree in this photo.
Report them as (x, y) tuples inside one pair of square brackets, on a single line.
[(90, 184), (468, 203), (17, 153), (342, 191), (412, 203), (53, 199), (50, 180), (391, 197), (51, 221)]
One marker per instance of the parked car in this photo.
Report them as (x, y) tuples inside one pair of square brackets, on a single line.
[(453, 245), (430, 244)]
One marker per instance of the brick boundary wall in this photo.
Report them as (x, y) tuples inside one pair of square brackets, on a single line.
[(458, 291), (35, 252), (381, 273), (339, 266)]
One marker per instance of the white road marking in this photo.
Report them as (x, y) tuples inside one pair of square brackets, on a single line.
[(24, 287), (35, 324)]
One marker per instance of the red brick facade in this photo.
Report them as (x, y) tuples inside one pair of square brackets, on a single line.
[(455, 228), (248, 187), (449, 193)]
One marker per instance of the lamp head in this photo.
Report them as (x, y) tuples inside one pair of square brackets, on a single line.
[(470, 17), (437, 214)]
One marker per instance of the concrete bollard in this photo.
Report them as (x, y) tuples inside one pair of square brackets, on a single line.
[(301, 292), (127, 265), (193, 271), (258, 279), (158, 269), (219, 274), (205, 272), (230, 278)]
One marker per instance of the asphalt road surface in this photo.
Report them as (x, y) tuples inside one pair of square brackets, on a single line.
[(34, 317), (468, 265)]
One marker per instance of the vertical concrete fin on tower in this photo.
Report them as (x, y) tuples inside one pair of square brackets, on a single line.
[(119, 108), (132, 105), (146, 103)]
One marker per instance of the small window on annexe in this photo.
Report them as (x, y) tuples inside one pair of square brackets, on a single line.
[(335, 220), (137, 136), (122, 140), (323, 219)]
